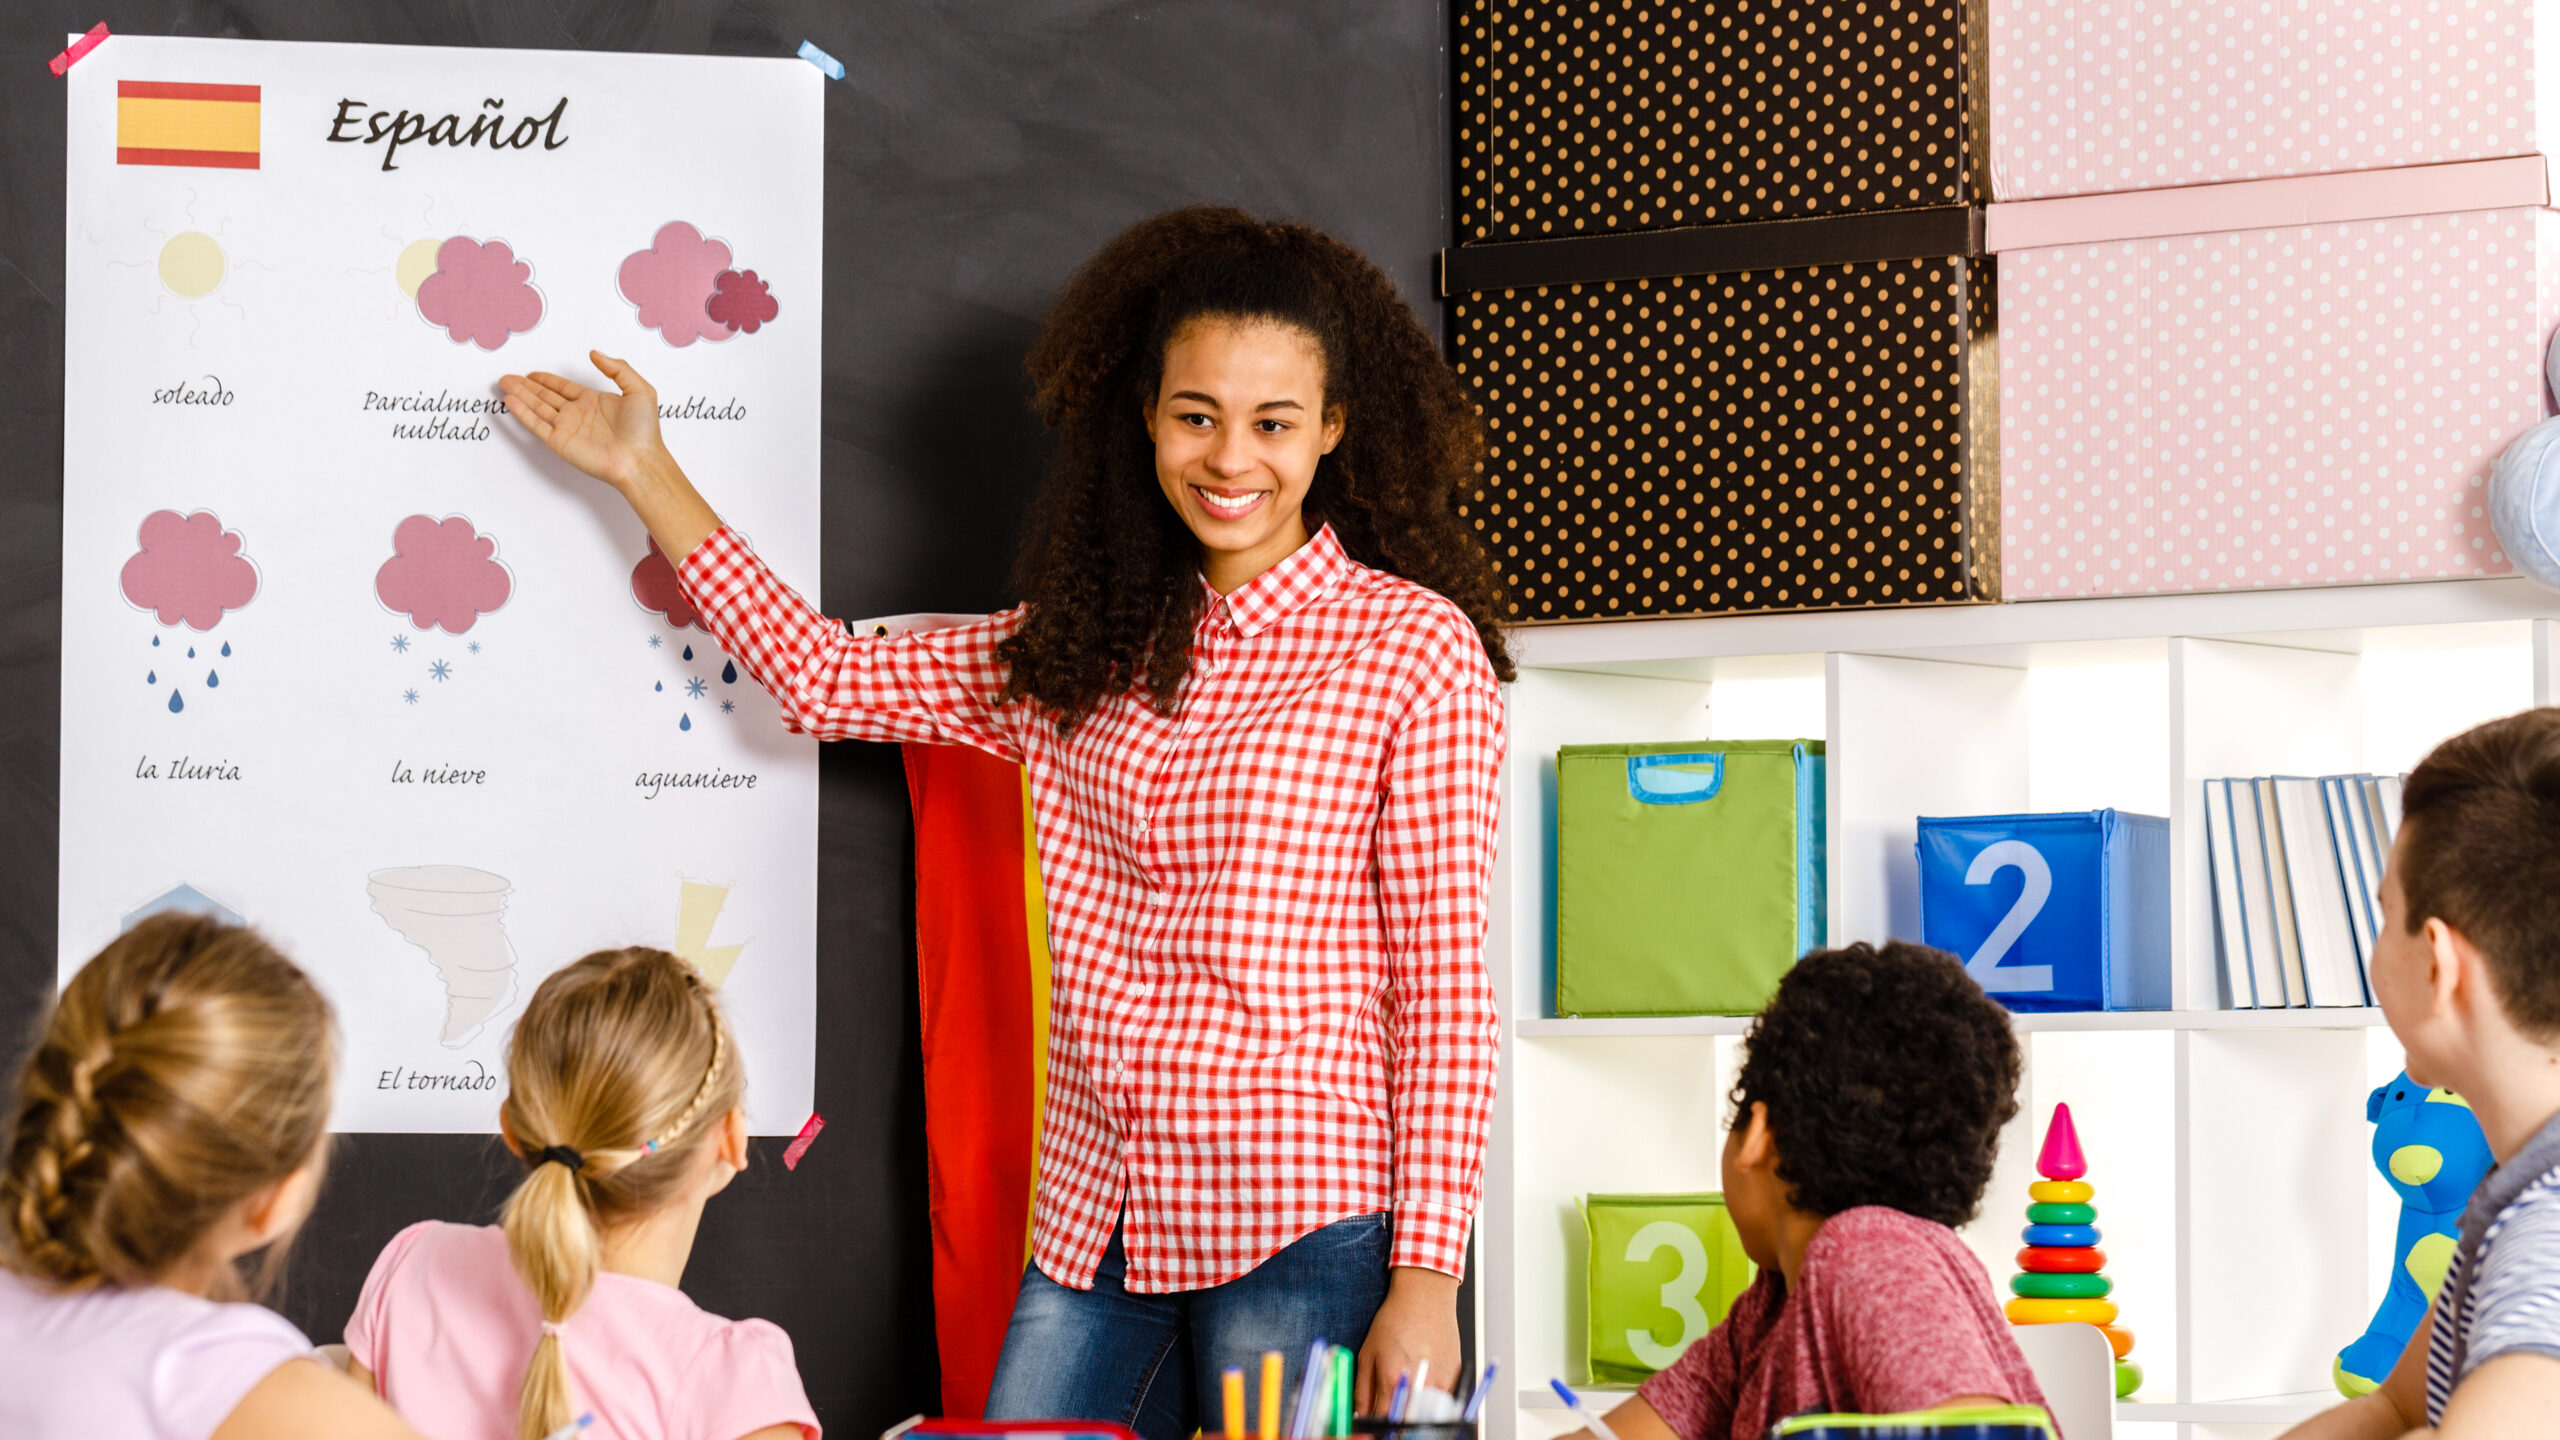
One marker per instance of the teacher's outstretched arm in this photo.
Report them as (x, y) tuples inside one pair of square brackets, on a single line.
[(615, 439)]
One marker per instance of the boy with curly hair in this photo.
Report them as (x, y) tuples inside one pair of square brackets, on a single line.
[(2467, 970), (1866, 1119)]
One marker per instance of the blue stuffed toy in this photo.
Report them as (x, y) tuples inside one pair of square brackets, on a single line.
[(2429, 1147)]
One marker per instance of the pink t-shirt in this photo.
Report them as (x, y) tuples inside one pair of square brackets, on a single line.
[(446, 1327), (1892, 1313), (149, 1363)]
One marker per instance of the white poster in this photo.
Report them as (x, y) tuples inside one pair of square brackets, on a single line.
[(347, 655)]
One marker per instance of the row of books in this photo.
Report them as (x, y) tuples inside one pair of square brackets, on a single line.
[(2297, 884)]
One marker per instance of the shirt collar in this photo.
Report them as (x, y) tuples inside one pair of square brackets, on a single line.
[(1308, 574)]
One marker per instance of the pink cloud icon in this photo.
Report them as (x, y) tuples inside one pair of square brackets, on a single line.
[(654, 585), (740, 301), (442, 573), (480, 292), (672, 282), (189, 569)]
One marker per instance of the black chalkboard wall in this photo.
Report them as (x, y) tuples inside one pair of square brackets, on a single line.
[(976, 149)]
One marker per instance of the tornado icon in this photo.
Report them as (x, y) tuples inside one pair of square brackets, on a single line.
[(455, 914)]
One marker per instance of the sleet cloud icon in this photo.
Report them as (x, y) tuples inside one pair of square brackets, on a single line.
[(654, 585), (442, 574), (189, 570)]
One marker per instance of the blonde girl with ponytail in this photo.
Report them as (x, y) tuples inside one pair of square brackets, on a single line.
[(625, 1093), (170, 1123)]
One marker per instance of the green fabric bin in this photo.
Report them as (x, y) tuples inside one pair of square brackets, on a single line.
[(1688, 874), (1662, 1269)]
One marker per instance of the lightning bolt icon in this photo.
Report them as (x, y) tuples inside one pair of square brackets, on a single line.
[(696, 913)]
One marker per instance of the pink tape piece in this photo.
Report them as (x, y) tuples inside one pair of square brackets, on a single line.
[(80, 48), (800, 1143), (2513, 182)]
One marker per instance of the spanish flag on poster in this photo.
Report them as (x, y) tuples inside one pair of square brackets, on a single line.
[(159, 122)]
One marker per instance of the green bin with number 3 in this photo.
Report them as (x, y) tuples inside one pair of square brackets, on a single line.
[(1662, 1268)]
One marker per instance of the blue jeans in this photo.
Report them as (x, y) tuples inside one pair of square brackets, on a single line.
[(1153, 1362)]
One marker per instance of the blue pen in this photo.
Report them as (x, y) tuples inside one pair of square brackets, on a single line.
[(573, 1427), (1395, 1407), (1599, 1427), (1303, 1416), (1475, 1401)]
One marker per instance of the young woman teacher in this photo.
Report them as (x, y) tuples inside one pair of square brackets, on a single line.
[(1254, 682)]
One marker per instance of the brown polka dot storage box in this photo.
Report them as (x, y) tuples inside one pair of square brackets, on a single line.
[(1720, 291)]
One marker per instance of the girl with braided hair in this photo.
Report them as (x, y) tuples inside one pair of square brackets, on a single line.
[(626, 1103), (1254, 682), (171, 1122)]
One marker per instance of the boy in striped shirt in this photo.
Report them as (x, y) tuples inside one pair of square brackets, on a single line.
[(2468, 974)]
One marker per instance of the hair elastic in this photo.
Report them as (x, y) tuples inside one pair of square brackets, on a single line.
[(555, 1328), (561, 1155)]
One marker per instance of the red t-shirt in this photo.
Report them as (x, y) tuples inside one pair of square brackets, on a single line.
[(1893, 1313)]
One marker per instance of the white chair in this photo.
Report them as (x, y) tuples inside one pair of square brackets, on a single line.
[(2076, 1368)]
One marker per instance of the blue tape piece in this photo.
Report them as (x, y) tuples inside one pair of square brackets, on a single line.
[(2069, 1237), (833, 67)]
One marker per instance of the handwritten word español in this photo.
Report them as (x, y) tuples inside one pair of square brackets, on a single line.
[(391, 131)]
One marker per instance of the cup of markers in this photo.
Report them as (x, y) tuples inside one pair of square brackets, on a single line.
[(1323, 1410)]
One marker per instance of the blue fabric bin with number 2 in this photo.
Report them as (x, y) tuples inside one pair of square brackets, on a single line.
[(2052, 912)]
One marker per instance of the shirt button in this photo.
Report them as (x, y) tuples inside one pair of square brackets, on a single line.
[(1118, 1069)]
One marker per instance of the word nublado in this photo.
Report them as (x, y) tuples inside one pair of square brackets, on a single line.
[(391, 130)]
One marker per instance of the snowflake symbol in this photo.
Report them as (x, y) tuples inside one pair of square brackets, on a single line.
[(442, 670), (728, 705), (409, 695), (694, 687), (473, 647), (399, 644), (656, 640)]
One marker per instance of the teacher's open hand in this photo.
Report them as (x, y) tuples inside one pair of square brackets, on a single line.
[(614, 437)]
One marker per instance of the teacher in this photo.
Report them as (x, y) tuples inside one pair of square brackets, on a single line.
[(1255, 685)]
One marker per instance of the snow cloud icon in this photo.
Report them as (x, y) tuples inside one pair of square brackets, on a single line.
[(442, 574), (189, 570)]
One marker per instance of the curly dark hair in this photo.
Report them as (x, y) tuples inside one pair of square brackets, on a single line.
[(1108, 571), (1888, 1074)]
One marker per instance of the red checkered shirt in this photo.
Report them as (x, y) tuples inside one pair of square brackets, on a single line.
[(1269, 1006)]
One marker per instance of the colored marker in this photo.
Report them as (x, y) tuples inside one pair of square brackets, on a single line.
[(1395, 1407), (1475, 1401), (573, 1427), (1599, 1428), (1269, 1428), (1302, 1419), (1231, 1401)]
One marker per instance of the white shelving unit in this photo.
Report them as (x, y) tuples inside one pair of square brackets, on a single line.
[(2245, 1229)]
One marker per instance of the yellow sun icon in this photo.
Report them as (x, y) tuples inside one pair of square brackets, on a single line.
[(417, 262), (192, 264)]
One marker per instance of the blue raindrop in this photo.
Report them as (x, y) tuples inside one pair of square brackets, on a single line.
[(212, 678), (684, 722), (729, 673), (176, 702), (191, 652), (151, 679), (155, 642), (226, 649), (688, 652), (661, 685)]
